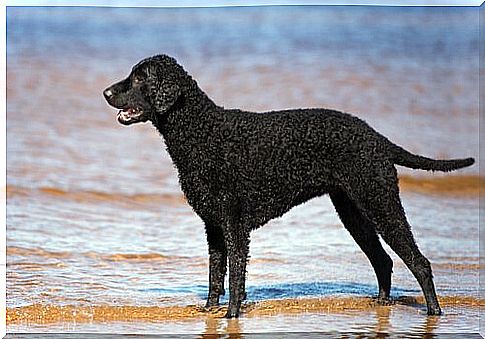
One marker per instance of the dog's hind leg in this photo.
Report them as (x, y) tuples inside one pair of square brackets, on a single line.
[(217, 264), (364, 233), (399, 237), (377, 196)]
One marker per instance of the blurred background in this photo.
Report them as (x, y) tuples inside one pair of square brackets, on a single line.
[(95, 215)]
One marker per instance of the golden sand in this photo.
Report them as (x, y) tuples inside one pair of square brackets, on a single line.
[(461, 185), (42, 314)]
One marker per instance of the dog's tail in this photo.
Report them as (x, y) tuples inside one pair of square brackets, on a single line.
[(407, 159)]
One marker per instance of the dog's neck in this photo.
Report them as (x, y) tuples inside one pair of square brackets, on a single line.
[(186, 126)]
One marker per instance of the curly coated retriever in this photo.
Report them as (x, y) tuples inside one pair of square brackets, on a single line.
[(240, 169)]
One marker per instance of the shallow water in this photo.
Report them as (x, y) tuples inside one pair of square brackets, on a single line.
[(96, 221)]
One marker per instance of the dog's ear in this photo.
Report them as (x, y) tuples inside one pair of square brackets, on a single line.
[(165, 95)]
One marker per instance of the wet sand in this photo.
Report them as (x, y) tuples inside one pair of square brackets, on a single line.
[(44, 314)]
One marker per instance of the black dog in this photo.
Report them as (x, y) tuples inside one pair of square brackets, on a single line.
[(239, 170)]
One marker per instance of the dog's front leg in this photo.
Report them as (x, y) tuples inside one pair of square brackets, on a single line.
[(237, 243), (217, 264)]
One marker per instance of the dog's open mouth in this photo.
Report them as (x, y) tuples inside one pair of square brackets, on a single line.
[(128, 116)]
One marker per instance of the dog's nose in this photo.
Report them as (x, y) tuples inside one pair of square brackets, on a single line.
[(108, 93)]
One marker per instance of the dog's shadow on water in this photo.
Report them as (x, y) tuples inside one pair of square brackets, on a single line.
[(316, 289), (307, 289), (288, 290)]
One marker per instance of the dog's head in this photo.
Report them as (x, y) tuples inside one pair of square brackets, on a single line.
[(151, 89)]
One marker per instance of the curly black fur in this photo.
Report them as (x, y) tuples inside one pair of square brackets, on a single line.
[(240, 169)]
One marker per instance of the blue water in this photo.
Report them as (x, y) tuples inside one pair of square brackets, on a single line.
[(406, 34)]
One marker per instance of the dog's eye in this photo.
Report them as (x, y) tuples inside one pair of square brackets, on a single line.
[(138, 79)]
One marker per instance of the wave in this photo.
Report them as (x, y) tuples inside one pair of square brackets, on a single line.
[(458, 263), (38, 252), (466, 185), (95, 196), (44, 313)]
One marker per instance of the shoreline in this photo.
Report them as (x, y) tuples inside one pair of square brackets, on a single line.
[(51, 314)]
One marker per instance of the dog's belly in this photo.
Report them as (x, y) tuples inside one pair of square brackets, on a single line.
[(261, 207)]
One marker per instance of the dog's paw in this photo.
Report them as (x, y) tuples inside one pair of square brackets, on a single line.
[(384, 301), (233, 311), (436, 310), (231, 314)]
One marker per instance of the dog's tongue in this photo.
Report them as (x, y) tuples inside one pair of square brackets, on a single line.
[(124, 115)]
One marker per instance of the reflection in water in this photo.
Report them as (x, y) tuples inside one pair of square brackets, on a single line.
[(382, 321), (220, 328), (381, 327), (431, 324), (421, 329)]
